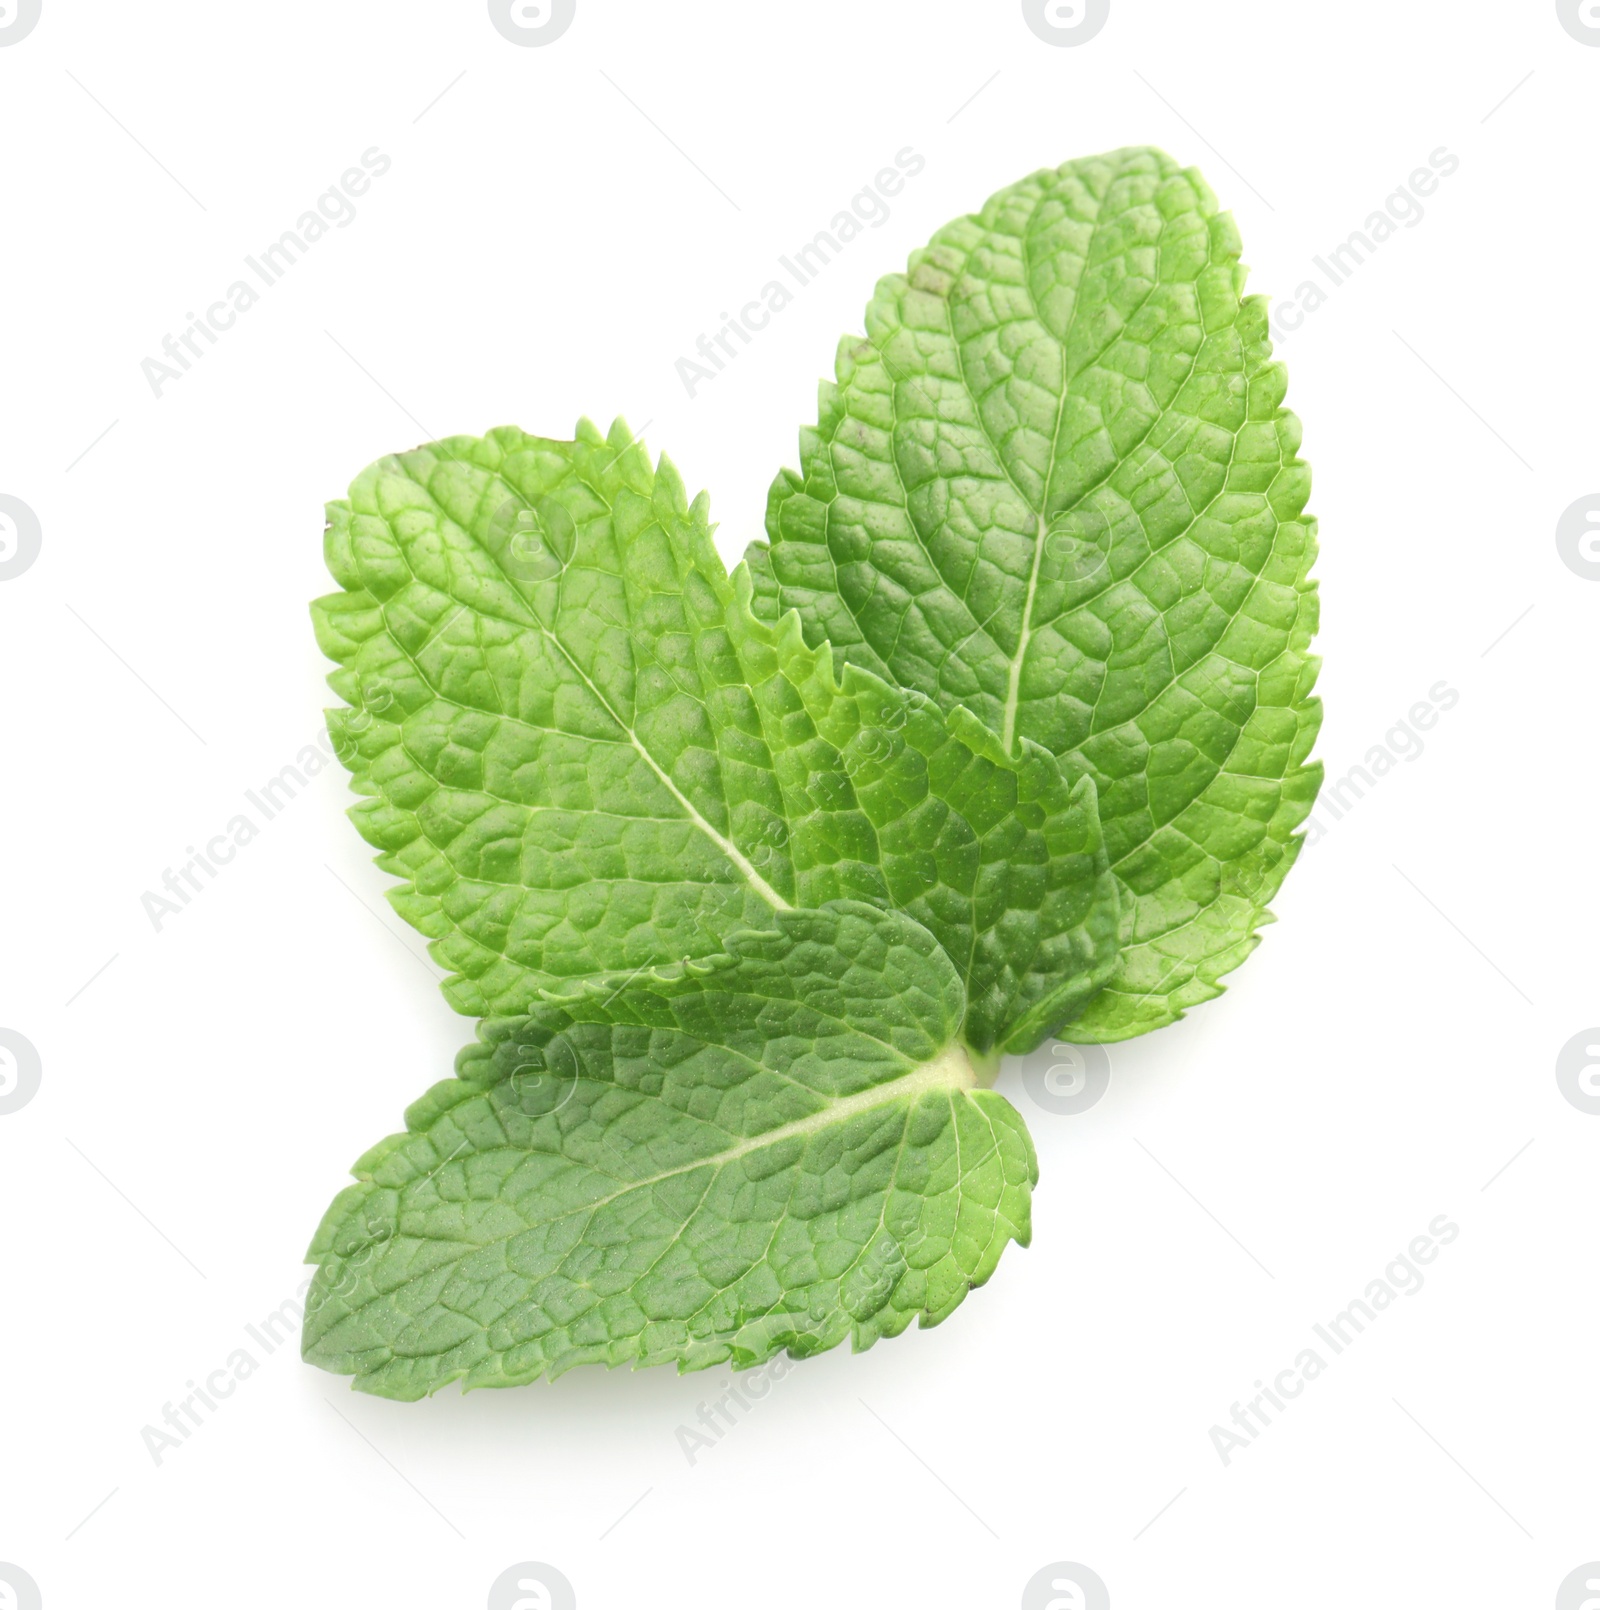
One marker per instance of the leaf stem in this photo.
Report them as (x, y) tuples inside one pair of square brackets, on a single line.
[(985, 1064)]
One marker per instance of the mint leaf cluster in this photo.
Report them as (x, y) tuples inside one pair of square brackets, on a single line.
[(752, 879)]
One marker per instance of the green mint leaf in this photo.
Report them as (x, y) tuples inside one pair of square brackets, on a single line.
[(583, 753), (782, 1146), (999, 856), (1056, 485)]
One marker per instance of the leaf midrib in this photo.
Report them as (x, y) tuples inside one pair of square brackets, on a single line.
[(726, 845), (1016, 660), (949, 1073)]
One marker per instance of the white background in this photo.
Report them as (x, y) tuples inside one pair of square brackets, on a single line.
[(553, 234)]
